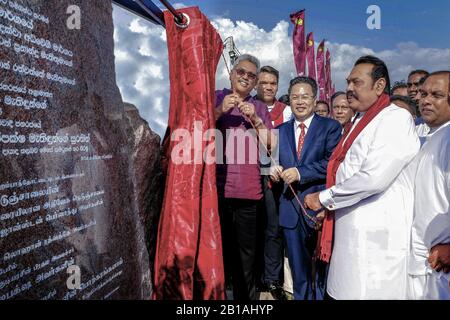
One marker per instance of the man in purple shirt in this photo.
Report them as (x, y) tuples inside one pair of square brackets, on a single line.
[(239, 174)]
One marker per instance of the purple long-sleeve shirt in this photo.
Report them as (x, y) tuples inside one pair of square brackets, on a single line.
[(240, 175)]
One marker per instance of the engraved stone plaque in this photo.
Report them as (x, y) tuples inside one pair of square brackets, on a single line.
[(70, 227)]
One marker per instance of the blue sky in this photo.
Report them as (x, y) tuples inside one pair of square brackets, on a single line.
[(344, 21), (414, 35)]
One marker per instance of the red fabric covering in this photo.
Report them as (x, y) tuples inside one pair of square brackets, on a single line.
[(298, 39), (188, 262), (338, 156)]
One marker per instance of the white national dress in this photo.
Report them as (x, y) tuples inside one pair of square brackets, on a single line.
[(373, 203), (431, 225)]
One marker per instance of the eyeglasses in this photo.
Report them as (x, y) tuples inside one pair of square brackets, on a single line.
[(342, 108), (241, 72)]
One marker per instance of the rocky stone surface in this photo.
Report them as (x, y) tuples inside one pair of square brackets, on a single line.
[(146, 173), (73, 163)]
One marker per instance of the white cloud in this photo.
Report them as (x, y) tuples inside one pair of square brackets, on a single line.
[(142, 66), (400, 60), (272, 48)]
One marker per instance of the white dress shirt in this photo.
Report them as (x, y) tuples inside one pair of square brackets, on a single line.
[(422, 129), (431, 225), (287, 114), (298, 131), (373, 203)]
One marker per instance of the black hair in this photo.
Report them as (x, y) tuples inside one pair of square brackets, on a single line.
[(379, 71), (398, 85), (409, 102), (284, 99), (271, 70), (303, 79), (325, 103), (418, 71), (334, 96)]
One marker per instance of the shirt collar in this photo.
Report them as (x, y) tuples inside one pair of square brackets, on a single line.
[(307, 122), (436, 129)]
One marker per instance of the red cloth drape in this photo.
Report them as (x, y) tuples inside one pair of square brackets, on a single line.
[(337, 157), (298, 40), (321, 77), (188, 262), (310, 56)]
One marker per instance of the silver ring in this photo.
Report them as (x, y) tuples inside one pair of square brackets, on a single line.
[(186, 24)]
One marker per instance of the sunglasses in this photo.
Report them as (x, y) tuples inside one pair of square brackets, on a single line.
[(241, 72)]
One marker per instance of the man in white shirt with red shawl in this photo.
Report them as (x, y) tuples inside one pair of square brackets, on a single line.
[(369, 193)]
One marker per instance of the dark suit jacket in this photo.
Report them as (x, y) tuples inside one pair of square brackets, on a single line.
[(321, 138)]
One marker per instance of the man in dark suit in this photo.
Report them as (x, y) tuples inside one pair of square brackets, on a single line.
[(271, 258), (305, 145)]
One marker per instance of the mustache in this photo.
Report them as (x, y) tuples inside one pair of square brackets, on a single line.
[(351, 94)]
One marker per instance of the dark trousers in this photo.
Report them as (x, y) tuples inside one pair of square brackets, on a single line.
[(273, 235), (238, 224), (301, 242)]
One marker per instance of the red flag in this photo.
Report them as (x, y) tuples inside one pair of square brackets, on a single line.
[(321, 70), (328, 76), (189, 261), (310, 56), (298, 40)]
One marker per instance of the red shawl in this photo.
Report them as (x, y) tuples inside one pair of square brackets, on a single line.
[(276, 115)]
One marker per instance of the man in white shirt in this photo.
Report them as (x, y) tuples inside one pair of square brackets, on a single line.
[(369, 192), (430, 239)]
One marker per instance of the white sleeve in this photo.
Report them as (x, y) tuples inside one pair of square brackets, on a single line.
[(394, 145), (439, 230)]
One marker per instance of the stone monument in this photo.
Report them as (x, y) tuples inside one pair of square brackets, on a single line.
[(74, 207)]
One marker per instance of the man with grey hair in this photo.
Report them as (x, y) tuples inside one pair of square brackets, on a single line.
[(243, 119)]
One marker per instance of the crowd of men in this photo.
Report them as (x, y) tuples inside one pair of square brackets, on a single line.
[(358, 198)]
